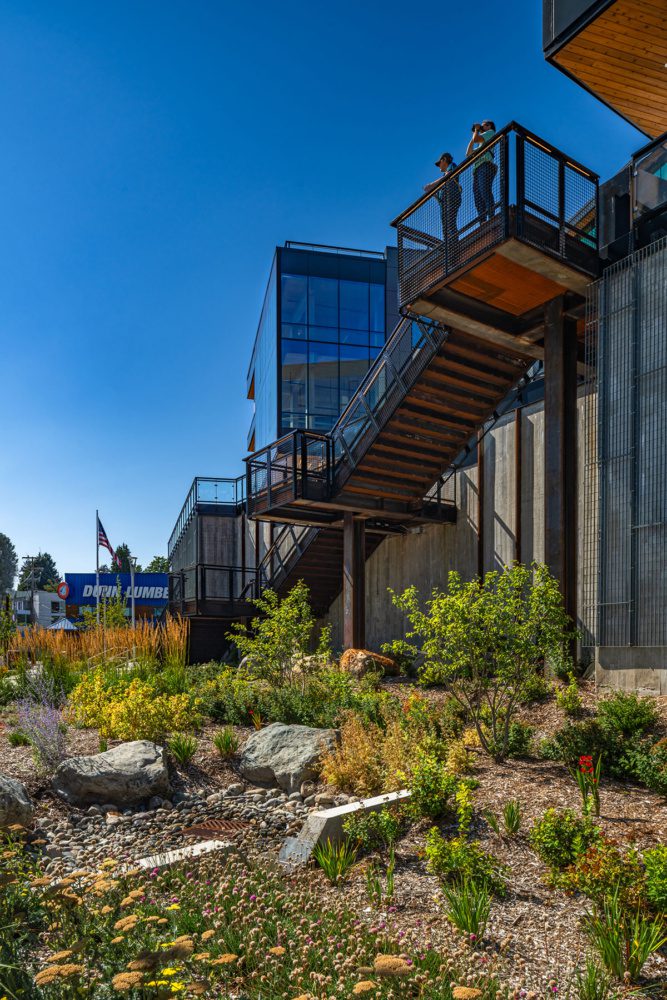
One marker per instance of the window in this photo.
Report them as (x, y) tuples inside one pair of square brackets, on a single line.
[(323, 380), (354, 305), (295, 331), (294, 381), (323, 302), (377, 308), (294, 292), (353, 367)]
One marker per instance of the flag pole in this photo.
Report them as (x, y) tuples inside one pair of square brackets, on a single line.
[(97, 566)]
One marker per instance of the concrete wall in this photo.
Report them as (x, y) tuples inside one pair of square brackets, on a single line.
[(424, 556)]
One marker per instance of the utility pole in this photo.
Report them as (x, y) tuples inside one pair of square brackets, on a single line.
[(34, 567)]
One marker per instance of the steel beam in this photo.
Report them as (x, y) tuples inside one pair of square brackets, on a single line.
[(354, 581)]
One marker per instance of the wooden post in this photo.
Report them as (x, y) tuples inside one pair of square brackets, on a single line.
[(560, 450), (354, 582)]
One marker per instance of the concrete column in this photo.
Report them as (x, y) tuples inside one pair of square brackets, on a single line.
[(354, 582), (560, 450)]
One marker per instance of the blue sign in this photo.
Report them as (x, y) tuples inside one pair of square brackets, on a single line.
[(150, 589)]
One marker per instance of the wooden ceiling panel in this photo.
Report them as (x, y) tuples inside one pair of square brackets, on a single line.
[(621, 58), (507, 285)]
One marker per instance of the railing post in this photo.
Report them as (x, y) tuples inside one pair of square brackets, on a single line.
[(269, 476), (561, 207), (304, 465), (505, 179)]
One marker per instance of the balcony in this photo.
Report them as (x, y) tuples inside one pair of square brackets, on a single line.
[(207, 495), (213, 591), (513, 227), (616, 49)]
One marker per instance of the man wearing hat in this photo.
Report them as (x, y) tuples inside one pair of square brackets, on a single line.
[(484, 169), (449, 196)]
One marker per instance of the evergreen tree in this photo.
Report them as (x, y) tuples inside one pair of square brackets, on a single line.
[(46, 576), (8, 563), (121, 564)]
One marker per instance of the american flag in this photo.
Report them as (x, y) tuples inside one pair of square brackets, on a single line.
[(103, 540)]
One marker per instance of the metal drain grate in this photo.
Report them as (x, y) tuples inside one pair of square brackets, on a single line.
[(209, 829)]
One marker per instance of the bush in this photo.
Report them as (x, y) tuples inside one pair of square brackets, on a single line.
[(376, 831), (537, 688), (560, 836), (655, 866), (462, 859), (577, 739), (627, 713), (604, 869), (520, 739), (647, 762), (131, 710), (568, 698), (369, 758), (486, 643), (432, 787)]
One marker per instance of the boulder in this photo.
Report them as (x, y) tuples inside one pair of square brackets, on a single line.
[(15, 804), (285, 755), (123, 776), (361, 661)]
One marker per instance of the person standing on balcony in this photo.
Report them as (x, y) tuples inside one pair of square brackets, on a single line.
[(484, 169), (449, 196)]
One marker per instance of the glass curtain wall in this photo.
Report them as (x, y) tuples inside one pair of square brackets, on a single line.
[(331, 330), (265, 365)]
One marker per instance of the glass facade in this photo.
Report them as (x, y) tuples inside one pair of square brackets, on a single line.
[(331, 328), (329, 322)]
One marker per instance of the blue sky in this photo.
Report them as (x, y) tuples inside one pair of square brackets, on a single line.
[(153, 155)]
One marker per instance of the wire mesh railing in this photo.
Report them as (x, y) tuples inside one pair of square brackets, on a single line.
[(298, 465), (411, 346), (205, 587), (515, 185)]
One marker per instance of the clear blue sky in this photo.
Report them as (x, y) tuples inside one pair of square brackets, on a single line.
[(153, 154)]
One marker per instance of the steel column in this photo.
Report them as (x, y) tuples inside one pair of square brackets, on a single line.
[(354, 582), (518, 476), (480, 507), (560, 450)]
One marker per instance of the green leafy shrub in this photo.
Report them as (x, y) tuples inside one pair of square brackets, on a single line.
[(486, 643), (568, 698), (576, 739), (464, 808), (16, 738), (459, 858), (468, 906), (520, 739), (624, 940), (627, 713), (537, 688), (432, 787), (655, 866), (560, 836), (603, 869), (647, 762), (376, 831)]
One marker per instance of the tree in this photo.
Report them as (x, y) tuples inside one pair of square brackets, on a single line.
[(8, 563), (121, 564), (485, 640), (278, 639), (7, 624), (158, 564), (46, 576)]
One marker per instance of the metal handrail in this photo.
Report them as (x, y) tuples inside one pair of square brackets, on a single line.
[(193, 498)]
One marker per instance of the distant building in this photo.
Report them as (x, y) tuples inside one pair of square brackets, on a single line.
[(40, 607)]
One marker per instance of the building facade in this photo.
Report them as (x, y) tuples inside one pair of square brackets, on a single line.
[(39, 607), (151, 593), (325, 317)]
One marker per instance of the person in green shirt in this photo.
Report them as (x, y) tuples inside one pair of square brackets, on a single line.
[(484, 169)]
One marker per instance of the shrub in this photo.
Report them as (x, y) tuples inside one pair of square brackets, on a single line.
[(655, 866), (226, 742), (568, 698), (485, 643), (335, 860), (376, 831), (40, 720), (623, 940), (627, 713), (462, 859), (277, 642), (468, 906), (16, 738), (520, 739), (647, 762), (458, 759), (432, 787), (356, 764), (182, 748), (464, 808), (537, 688), (560, 836), (577, 739), (604, 869), (130, 711)]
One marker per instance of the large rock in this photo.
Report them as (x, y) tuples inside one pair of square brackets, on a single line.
[(285, 755), (361, 661), (122, 776), (15, 805)]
